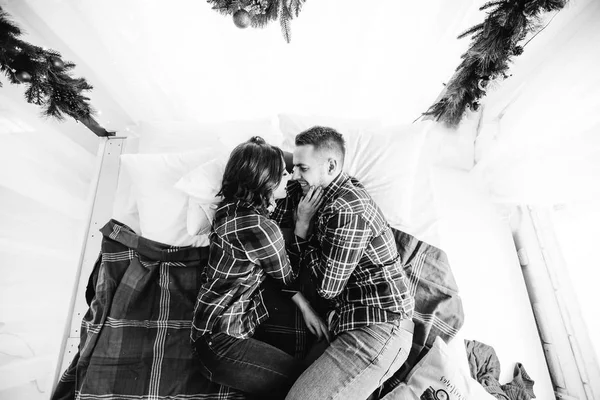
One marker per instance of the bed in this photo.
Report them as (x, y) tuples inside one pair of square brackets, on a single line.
[(452, 212)]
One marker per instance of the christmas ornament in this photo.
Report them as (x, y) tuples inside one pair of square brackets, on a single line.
[(482, 84), (241, 18), (260, 13), (57, 62), (23, 76)]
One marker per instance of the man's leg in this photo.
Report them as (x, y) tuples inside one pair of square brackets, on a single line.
[(248, 365), (355, 364)]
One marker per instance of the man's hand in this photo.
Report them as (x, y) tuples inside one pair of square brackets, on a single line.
[(307, 208)]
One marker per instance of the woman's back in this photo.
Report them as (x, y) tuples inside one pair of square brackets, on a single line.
[(244, 246)]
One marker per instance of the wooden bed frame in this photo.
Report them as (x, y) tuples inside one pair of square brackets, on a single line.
[(568, 350), (101, 199)]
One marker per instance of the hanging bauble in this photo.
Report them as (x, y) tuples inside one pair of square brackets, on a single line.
[(241, 18), (482, 84), (23, 76), (475, 106), (57, 62)]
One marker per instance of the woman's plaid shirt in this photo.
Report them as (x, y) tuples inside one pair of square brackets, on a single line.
[(245, 245), (352, 256)]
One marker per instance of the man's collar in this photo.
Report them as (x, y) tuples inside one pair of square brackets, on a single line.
[(334, 187)]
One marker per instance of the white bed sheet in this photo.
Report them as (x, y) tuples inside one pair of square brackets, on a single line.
[(478, 242)]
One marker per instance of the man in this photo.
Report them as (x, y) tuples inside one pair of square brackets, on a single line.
[(354, 263)]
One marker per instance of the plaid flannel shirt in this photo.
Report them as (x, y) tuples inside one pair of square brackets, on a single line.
[(352, 256), (245, 245)]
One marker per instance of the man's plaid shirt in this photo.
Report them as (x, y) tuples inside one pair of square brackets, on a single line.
[(244, 246), (352, 256)]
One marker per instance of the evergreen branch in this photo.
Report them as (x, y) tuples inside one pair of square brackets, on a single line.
[(262, 12), (476, 28), (296, 6), (47, 85), (494, 43), (270, 14), (285, 19), (491, 4)]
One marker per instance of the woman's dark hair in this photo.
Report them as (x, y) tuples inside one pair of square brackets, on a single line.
[(252, 173)]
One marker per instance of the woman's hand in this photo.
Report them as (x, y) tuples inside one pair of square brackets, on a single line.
[(314, 323), (307, 208)]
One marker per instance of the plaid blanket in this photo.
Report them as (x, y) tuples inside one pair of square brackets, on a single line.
[(438, 308), (135, 335)]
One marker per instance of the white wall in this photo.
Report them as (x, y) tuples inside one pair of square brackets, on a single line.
[(45, 171)]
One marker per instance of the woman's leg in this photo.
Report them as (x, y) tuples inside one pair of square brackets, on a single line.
[(248, 365), (355, 364)]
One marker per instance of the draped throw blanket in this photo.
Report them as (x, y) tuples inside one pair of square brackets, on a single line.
[(135, 336), (438, 307)]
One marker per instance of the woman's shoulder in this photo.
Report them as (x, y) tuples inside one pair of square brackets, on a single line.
[(238, 216)]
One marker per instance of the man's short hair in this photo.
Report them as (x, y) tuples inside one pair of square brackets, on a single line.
[(323, 139)]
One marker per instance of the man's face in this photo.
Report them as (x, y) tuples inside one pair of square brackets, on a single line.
[(310, 167)]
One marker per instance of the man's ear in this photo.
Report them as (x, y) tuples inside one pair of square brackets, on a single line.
[(332, 165)]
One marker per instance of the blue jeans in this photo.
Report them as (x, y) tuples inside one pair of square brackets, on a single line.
[(248, 365), (356, 363)]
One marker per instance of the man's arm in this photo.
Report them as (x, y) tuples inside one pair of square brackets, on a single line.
[(346, 237)]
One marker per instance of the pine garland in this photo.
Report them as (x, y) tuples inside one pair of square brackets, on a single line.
[(493, 45), (46, 75), (261, 12)]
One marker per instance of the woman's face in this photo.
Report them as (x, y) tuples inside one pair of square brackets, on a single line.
[(280, 191)]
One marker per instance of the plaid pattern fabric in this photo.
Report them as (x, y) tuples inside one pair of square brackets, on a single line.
[(245, 246), (353, 258), (283, 214), (135, 336), (438, 307)]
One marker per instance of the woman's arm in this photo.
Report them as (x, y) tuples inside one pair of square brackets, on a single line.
[(264, 245), (307, 208), (314, 323)]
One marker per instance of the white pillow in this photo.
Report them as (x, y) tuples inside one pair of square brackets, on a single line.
[(162, 208), (181, 135), (202, 185), (385, 160), (292, 124), (440, 375)]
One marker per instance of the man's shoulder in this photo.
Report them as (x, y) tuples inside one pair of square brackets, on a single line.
[(352, 196)]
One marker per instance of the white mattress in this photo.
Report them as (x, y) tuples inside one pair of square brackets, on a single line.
[(479, 245), (478, 242)]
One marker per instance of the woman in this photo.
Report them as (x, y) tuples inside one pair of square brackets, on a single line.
[(246, 247)]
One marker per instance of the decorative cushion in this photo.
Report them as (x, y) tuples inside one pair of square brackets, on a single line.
[(440, 375), (162, 208), (202, 185)]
